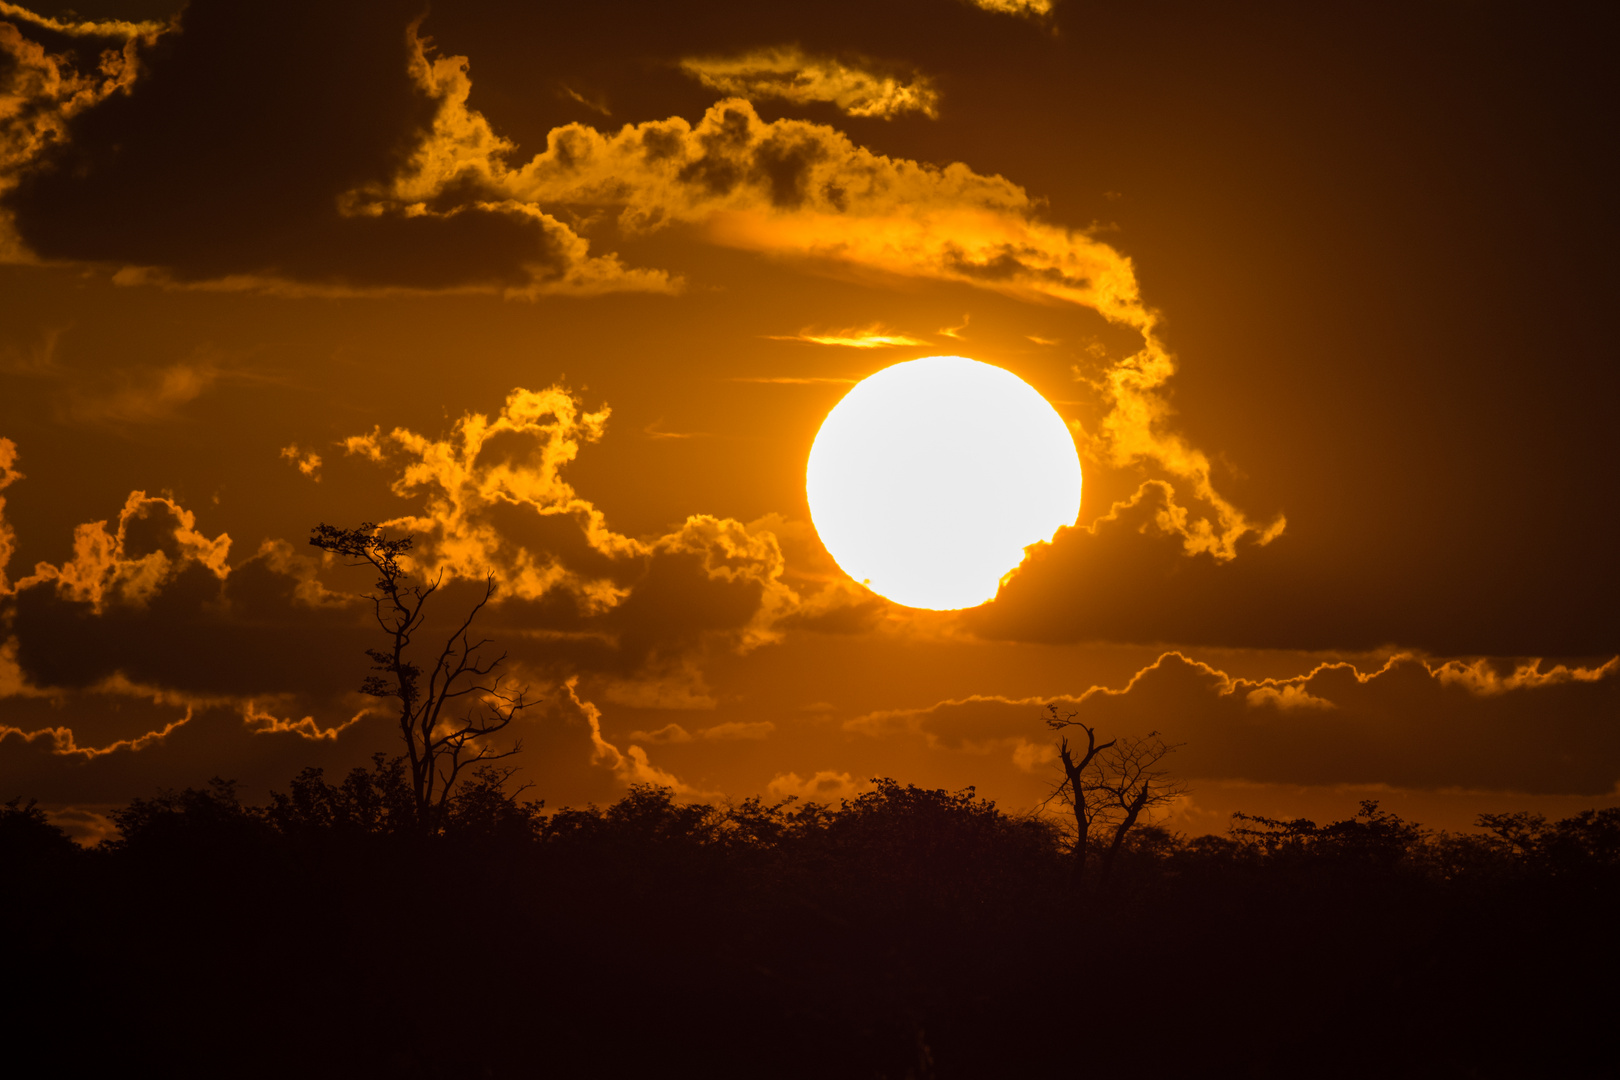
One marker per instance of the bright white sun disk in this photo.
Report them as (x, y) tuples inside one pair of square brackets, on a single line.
[(928, 480)]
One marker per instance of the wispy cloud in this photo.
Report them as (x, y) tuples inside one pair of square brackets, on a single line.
[(876, 336), (39, 360), (655, 431), (596, 104), (147, 396), (757, 729), (787, 73), (1028, 9), (823, 786), (632, 766), (307, 462)]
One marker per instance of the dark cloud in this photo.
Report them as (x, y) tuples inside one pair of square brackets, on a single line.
[(243, 636), (232, 149), (1128, 579), (187, 750), (150, 641), (1409, 724)]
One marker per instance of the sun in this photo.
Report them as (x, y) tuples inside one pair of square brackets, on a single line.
[(928, 480)]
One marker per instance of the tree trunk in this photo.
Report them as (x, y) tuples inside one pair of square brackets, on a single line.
[(1131, 814)]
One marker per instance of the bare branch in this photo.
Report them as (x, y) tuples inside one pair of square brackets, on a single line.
[(436, 758)]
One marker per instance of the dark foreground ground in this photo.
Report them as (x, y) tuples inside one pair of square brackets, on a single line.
[(909, 933)]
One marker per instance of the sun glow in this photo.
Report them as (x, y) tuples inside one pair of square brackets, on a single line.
[(928, 480)]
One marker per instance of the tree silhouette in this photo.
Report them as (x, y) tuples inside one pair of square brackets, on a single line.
[(446, 718), (1108, 786)]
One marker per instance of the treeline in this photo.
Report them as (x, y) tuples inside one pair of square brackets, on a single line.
[(906, 932)]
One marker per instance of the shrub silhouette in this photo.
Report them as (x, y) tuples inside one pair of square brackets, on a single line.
[(28, 839), (909, 931)]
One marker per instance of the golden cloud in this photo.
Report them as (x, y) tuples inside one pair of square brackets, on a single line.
[(786, 73), (104, 569), (469, 484), (154, 542), (794, 189), (42, 91), (62, 743), (875, 336), (95, 28), (1029, 9), (307, 462), (629, 767), (1412, 722), (787, 188)]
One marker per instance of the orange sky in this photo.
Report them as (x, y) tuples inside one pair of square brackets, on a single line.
[(566, 292)]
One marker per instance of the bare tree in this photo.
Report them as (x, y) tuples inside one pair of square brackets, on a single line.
[(446, 719), (1108, 786)]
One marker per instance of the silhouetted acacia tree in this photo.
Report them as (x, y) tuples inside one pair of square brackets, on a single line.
[(1108, 786), (446, 718)]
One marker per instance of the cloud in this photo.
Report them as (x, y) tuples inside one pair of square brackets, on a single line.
[(63, 744), (491, 497), (825, 786), (654, 431), (155, 541), (189, 172), (669, 733), (596, 105), (794, 189), (1028, 9), (353, 164), (112, 29), (307, 462), (50, 75), (150, 629), (675, 733), (39, 361), (1412, 723), (148, 396), (739, 729), (1125, 578), (786, 73), (146, 658), (185, 749), (147, 628), (631, 767), (876, 336), (8, 536)]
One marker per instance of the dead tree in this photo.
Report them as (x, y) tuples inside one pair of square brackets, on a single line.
[(446, 718), (1109, 786)]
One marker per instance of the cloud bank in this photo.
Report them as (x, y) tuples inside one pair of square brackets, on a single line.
[(152, 645), (353, 163), (1528, 728)]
